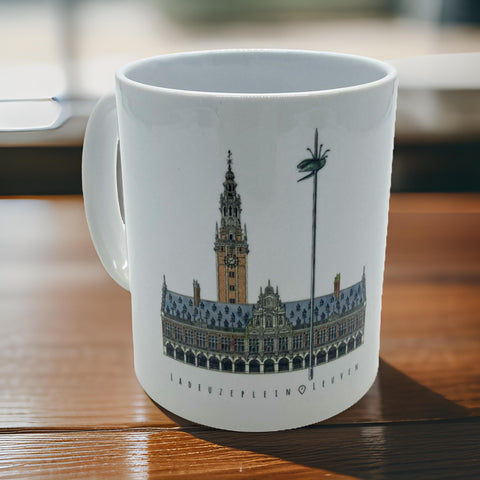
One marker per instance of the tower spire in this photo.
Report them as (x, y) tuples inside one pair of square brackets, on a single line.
[(230, 202), (231, 245)]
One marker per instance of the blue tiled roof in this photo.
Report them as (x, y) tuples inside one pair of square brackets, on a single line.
[(214, 314), (219, 316), (298, 313)]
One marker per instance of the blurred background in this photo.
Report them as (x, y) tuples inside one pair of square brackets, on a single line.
[(59, 56)]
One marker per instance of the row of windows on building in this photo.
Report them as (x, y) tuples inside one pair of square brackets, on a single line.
[(231, 250), (268, 365), (300, 341)]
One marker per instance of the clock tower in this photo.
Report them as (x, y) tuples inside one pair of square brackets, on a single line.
[(231, 247)]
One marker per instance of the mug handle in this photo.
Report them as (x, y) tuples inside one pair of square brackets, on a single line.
[(100, 191)]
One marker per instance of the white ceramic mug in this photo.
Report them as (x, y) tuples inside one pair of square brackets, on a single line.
[(273, 329)]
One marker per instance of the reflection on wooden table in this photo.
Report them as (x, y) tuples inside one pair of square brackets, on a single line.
[(70, 405)]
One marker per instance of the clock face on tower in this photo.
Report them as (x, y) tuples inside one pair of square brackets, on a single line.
[(231, 260)]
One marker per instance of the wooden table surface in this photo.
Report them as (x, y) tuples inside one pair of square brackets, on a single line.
[(70, 405)]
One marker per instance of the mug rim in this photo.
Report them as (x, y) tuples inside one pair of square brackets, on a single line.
[(121, 76)]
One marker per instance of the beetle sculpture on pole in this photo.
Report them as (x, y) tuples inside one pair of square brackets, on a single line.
[(312, 166)]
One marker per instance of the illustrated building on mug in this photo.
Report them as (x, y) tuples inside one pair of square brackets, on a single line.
[(268, 336)]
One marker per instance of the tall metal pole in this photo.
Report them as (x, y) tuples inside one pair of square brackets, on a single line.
[(312, 278)]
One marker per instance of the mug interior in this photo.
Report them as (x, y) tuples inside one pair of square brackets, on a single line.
[(256, 71)]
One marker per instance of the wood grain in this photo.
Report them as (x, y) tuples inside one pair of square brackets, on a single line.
[(70, 405), (65, 337), (365, 451), (433, 238)]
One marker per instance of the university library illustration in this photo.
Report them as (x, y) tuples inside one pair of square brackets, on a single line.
[(269, 336)]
